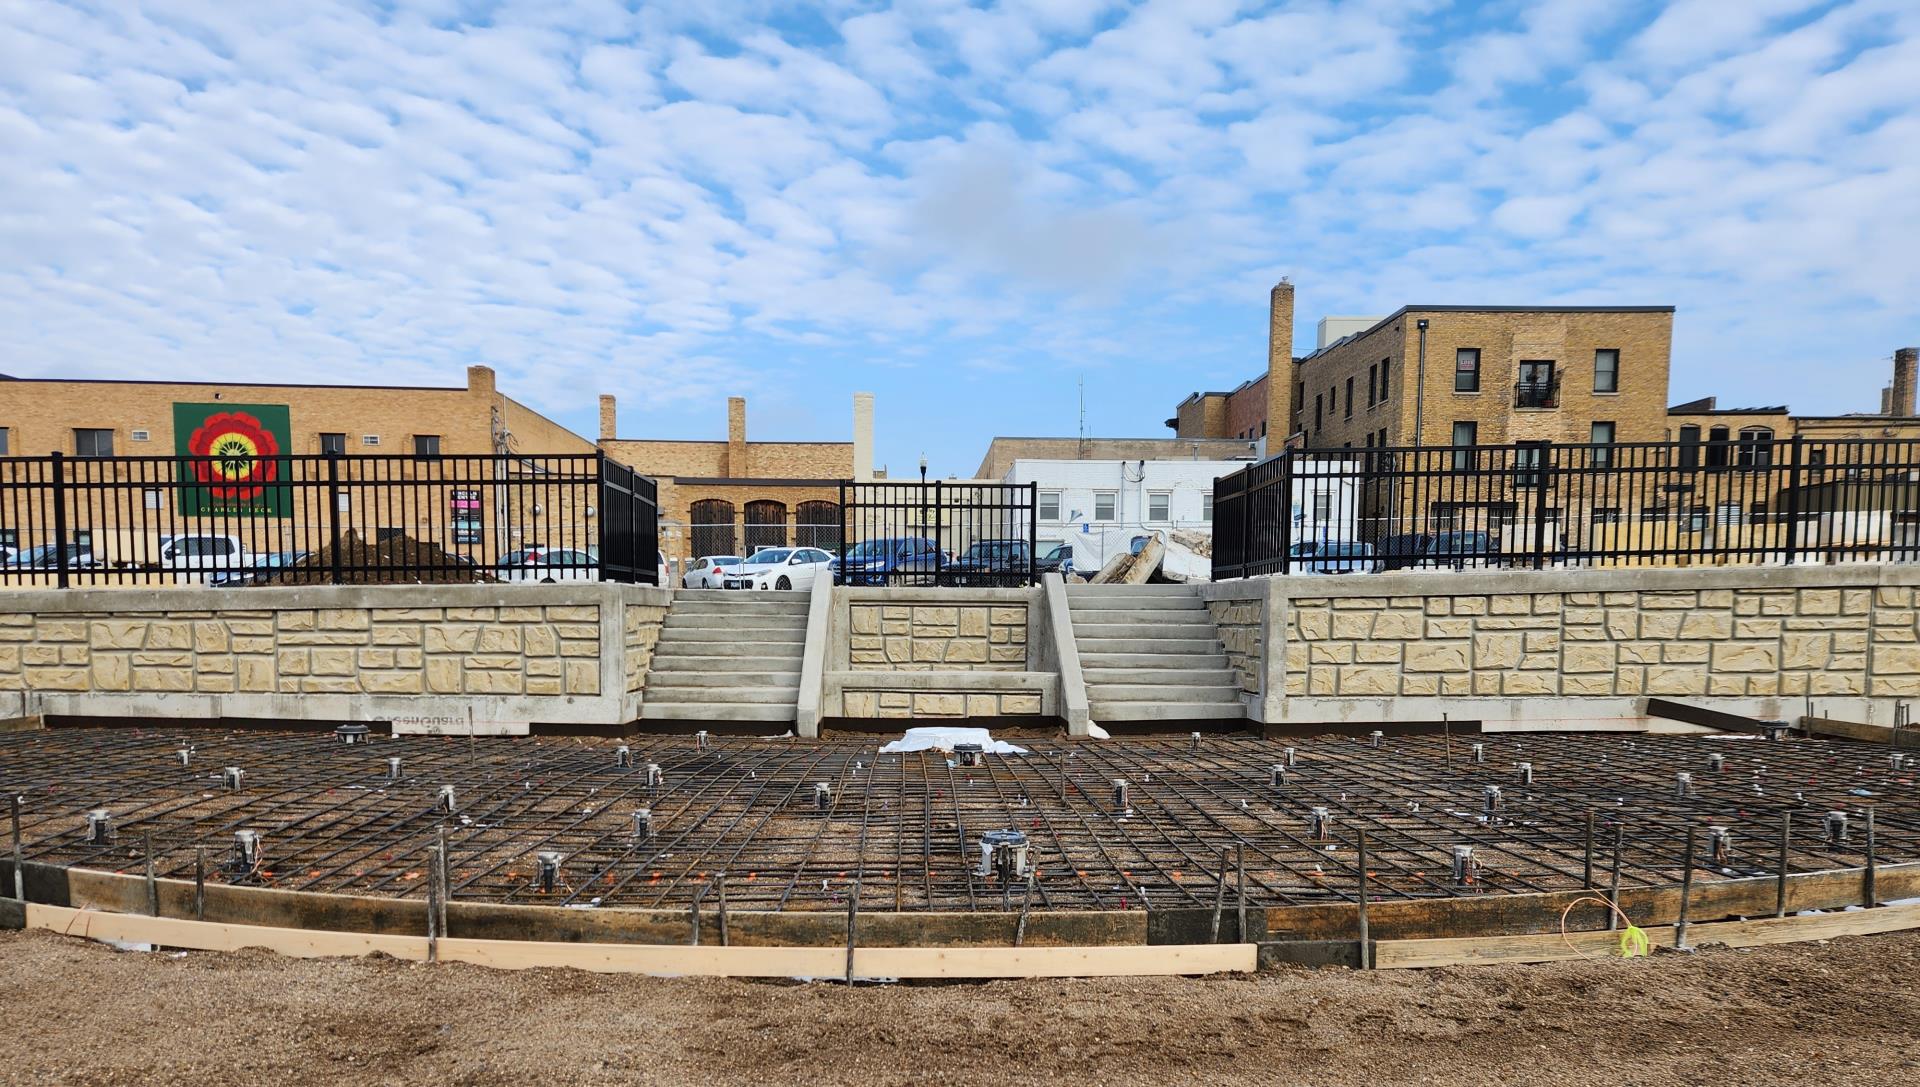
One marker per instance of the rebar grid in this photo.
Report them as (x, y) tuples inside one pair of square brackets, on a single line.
[(900, 831)]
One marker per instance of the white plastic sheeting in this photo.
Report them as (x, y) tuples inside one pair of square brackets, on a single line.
[(942, 738)]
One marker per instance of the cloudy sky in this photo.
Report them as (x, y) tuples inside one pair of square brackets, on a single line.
[(964, 207)]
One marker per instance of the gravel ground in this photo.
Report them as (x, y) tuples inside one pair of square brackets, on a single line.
[(1817, 1014)]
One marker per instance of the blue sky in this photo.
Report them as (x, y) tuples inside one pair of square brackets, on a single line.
[(961, 207)]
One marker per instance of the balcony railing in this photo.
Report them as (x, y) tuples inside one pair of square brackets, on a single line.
[(1537, 394)]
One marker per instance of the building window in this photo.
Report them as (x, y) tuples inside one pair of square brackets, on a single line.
[(426, 445), (1756, 447), (1349, 398), (1263, 428), (1606, 370), (92, 443), (1049, 505), (1465, 435), (4, 447), (1466, 370), (1536, 387), (1106, 505), (1528, 457), (1689, 446), (1697, 519), (1601, 436), (1384, 363), (1206, 506), (1158, 504), (1717, 447), (1606, 515), (1322, 507), (333, 443), (1373, 378), (1316, 413)]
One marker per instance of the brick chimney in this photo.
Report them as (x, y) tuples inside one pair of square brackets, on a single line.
[(737, 437), (1906, 361), (862, 436), (1279, 365), (480, 379), (607, 417)]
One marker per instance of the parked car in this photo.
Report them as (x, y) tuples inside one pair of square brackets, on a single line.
[(1333, 557), (1464, 549), (1401, 552), (709, 571), (548, 564), (895, 558), (1055, 559), (47, 557), (991, 562), (797, 571), (259, 570), (203, 553)]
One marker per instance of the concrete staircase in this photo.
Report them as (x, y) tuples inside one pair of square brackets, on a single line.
[(1151, 653), (728, 655)]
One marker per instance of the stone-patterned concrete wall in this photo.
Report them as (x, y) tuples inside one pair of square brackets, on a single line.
[(642, 634), (882, 703), (945, 637), (536, 650), (1771, 640), (1239, 623)]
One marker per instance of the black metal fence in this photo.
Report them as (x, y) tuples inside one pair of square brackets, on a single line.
[(324, 519), (1539, 505), (937, 533)]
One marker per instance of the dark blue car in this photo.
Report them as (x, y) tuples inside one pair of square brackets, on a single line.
[(896, 560)]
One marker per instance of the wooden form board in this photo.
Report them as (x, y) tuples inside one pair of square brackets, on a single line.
[(1485, 950), (664, 959)]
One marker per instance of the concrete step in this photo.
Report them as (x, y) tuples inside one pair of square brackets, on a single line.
[(1195, 614), (1137, 677), (732, 696), (1107, 712), (1138, 644), (742, 595), (1147, 628), (1191, 695), (1153, 662), (650, 710), (1151, 589), (673, 677), (683, 663), (683, 634), (735, 604), (755, 644), (1078, 604)]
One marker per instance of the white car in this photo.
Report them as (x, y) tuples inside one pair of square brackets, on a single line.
[(548, 564), (208, 556), (709, 572), (784, 568)]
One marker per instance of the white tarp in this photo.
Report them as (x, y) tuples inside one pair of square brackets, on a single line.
[(942, 738)]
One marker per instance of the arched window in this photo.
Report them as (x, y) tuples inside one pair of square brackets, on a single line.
[(1756, 447), (712, 527), (766, 524), (1717, 447), (817, 524)]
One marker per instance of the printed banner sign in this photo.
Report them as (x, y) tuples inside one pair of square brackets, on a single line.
[(247, 473), (466, 516)]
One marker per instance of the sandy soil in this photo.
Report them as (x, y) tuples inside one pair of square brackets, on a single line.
[(81, 1013)]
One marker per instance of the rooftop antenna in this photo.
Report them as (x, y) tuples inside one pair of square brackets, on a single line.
[(1083, 417)]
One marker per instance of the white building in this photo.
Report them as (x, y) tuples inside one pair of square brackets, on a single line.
[(1101, 505)]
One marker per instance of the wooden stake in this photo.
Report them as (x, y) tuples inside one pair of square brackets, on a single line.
[(1869, 890), (1365, 939), (1686, 894), (1780, 887)]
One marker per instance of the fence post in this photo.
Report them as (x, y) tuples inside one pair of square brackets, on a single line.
[(600, 498), (1794, 481), (1033, 532), (1542, 491), (333, 511), (60, 517), (1286, 514), (840, 545), (939, 552)]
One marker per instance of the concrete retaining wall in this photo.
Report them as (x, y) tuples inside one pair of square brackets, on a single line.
[(500, 656), (933, 653), (1576, 649)]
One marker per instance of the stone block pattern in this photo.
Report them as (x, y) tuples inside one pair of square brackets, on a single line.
[(938, 637), (1238, 622), (542, 650), (1663, 643), (642, 635), (923, 704)]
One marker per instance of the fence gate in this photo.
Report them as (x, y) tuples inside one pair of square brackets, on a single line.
[(937, 533)]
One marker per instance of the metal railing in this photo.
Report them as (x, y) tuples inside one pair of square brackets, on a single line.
[(937, 533), (324, 519), (1540, 505), (1537, 394)]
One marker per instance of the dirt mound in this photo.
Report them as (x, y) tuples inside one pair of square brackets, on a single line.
[(396, 560)]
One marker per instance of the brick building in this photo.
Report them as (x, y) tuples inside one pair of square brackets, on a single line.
[(734, 496)]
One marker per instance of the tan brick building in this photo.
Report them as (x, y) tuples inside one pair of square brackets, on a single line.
[(734, 496)]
